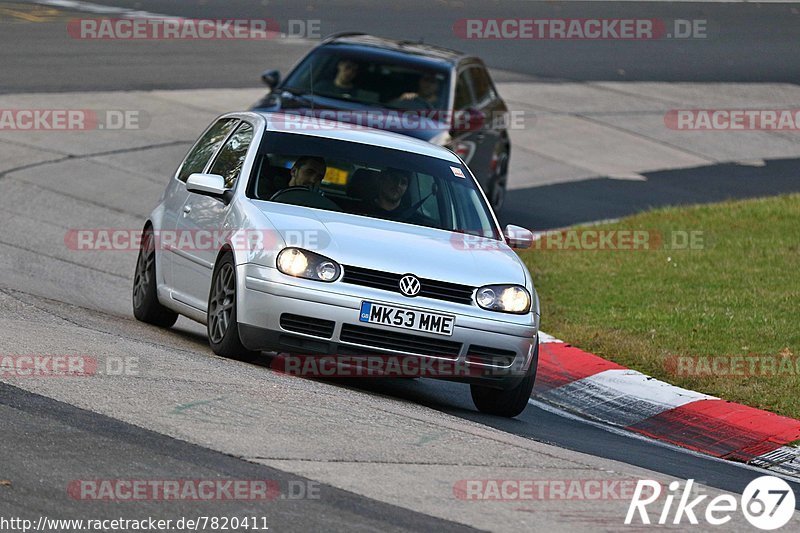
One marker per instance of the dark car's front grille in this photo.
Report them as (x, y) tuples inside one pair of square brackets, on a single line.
[(388, 281), (307, 325), (490, 356), (404, 342)]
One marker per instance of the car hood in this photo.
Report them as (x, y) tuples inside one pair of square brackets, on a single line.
[(357, 114), (396, 247)]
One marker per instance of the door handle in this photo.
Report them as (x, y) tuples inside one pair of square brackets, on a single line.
[(187, 209)]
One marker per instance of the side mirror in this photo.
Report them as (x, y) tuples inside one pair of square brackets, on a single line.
[(466, 120), (207, 184), (518, 237), (271, 78)]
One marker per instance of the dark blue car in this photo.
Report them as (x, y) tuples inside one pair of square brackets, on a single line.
[(431, 93)]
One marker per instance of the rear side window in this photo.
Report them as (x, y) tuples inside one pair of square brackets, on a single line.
[(206, 147), (463, 98), (481, 85), (231, 158)]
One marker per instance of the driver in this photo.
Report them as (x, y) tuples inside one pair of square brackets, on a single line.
[(426, 97), (307, 171)]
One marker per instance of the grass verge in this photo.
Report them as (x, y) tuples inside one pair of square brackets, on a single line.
[(720, 315)]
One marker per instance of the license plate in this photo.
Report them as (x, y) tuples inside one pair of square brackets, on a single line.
[(400, 317)]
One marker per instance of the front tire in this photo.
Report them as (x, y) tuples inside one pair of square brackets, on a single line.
[(222, 325), (146, 307), (511, 402), (497, 184)]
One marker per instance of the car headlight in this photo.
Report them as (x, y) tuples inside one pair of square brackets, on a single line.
[(504, 298), (310, 265)]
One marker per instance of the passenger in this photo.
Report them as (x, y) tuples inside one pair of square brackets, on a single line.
[(344, 82), (392, 186)]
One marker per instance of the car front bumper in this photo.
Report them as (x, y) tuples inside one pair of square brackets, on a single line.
[(496, 349)]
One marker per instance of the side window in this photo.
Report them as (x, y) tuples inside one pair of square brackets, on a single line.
[(481, 85), (463, 97), (205, 148), (231, 158)]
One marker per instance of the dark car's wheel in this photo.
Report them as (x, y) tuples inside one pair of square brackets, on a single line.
[(497, 185), (146, 306), (223, 328), (509, 402)]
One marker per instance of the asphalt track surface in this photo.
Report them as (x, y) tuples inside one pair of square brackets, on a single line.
[(746, 42), (46, 442)]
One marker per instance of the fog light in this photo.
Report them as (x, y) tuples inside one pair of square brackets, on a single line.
[(486, 297), (326, 271)]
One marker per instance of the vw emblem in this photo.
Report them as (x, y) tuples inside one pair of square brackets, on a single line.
[(410, 285)]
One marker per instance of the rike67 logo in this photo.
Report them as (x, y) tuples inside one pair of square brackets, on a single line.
[(767, 503)]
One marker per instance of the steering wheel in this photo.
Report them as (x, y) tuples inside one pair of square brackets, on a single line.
[(304, 196), (274, 197)]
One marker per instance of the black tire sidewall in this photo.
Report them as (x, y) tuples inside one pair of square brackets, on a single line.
[(151, 310)]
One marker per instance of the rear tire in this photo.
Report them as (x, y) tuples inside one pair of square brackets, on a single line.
[(508, 403), (146, 307), (222, 326)]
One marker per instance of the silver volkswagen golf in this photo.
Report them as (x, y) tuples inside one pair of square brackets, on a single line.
[(301, 236)]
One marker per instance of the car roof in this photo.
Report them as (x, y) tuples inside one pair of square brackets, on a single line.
[(419, 49), (297, 124)]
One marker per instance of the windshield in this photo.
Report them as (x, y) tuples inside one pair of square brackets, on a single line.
[(369, 181), (343, 75)]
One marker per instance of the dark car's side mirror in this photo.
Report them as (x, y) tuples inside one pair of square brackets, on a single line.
[(469, 119), (271, 78)]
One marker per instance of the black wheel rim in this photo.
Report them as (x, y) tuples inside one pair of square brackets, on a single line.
[(220, 305), (144, 266)]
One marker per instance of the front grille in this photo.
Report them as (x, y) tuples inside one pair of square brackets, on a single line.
[(307, 325), (490, 356), (404, 342), (388, 281)]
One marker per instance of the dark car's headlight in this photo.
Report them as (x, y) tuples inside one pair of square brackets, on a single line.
[(310, 265), (504, 298)]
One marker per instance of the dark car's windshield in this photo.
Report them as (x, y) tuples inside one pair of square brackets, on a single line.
[(371, 79), (369, 181)]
